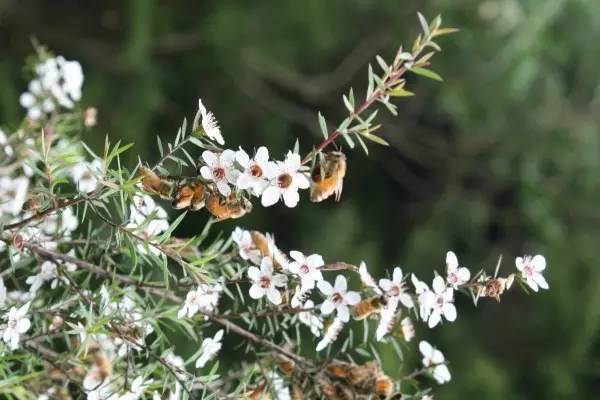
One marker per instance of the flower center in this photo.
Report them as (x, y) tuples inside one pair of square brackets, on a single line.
[(265, 282), (219, 173), (440, 301), (337, 298), (304, 269), (256, 171), (528, 270), (395, 291), (452, 278), (284, 181)]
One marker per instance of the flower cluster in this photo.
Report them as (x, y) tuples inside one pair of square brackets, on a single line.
[(57, 83), (85, 293)]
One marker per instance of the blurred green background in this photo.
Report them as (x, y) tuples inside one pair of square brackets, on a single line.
[(501, 159)]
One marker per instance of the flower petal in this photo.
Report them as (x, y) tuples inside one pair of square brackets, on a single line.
[(451, 261), (262, 154), (256, 292), (341, 283), (291, 198), (210, 158), (434, 319), (274, 296), (539, 262), (541, 281), (449, 312), (242, 158), (438, 285), (253, 273), (327, 307), (352, 298), (325, 288), (270, 196)]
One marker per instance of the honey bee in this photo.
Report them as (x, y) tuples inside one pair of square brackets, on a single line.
[(328, 177), (258, 393), (286, 365), (189, 195), (368, 307), (261, 242), (384, 386), (297, 393), (360, 375), (33, 203), (153, 183), (227, 207), (103, 364), (338, 369)]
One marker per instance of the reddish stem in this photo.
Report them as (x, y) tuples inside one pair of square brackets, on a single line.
[(335, 134)]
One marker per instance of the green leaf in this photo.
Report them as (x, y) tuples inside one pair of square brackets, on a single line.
[(427, 73), (323, 126), (348, 140), (375, 138), (401, 92)]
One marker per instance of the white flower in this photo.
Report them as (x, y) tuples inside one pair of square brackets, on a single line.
[(138, 386), (422, 291), (209, 349), (433, 359), (256, 171), (220, 170), (408, 329), (308, 318), (395, 288), (142, 209), (440, 301), (308, 268), (209, 124), (265, 282), (456, 275), (13, 193), (63, 222), (246, 246), (338, 298), (204, 298), (278, 386), (85, 175), (387, 318), (287, 180), (57, 82), (17, 323), (331, 333), (47, 272), (177, 363), (531, 270), (367, 279)]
